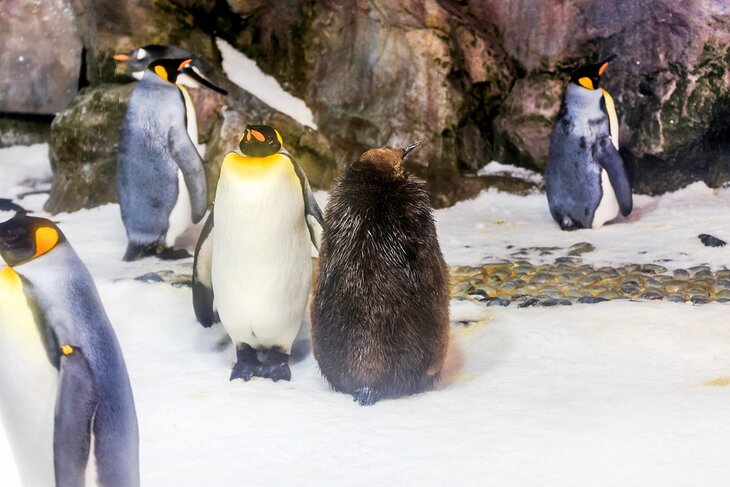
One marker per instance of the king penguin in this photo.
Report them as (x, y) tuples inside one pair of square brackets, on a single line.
[(380, 313), (161, 181), (585, 178), (253, 266), (65, 397)]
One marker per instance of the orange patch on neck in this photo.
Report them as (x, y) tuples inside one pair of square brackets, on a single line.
[(184, 64), (602, 68), (45, 239)]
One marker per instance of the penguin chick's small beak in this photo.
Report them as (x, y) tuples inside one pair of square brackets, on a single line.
[(121, 57), (409, 148)]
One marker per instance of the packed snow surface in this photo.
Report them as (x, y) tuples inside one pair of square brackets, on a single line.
[(618, 393), (244, 71)]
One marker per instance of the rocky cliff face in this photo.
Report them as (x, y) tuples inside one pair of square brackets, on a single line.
[(475, 80)]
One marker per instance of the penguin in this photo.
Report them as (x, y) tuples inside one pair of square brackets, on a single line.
[(161, 181), (65, 397), (585, 179), (138, 59), (380, 312), (252, 268)]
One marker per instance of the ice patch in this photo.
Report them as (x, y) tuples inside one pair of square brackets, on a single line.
[(245, 73), (495, 168)]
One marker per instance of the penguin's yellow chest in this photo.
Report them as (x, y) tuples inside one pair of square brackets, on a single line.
[(261, 266), (14, 310), (28, 384)]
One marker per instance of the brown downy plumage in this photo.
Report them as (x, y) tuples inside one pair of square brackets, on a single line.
[(380, 317)]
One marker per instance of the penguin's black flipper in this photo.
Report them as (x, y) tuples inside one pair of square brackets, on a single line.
[(312, 211), (76, 405), (8, 205), (186, 155), (605, 154), (202, 282)]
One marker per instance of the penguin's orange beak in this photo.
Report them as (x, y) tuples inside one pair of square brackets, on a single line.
[(121, 57)]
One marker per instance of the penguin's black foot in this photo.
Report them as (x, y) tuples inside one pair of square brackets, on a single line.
[(137, 251), (567, 224), (276, 366), (247, 365), (365, 396), (172, 254)]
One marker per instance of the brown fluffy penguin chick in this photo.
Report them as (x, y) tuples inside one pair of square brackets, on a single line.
[(380, 316)]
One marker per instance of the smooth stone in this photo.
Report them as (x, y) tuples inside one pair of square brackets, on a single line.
[(565, 260), (724, 294), (610, 294), (498, 302), (676, 298), (698, 268), (550, 302), (591, 300), (707, 274), (653, 282), (699, 299), (150, 277), (651, 295), (529, 303), (681, 274), (724, 283), (581, 248), (609, 271), (675, 286), (523, 269), (588, 280)]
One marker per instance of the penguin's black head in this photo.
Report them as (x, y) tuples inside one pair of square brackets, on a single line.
[(589, 76), (170, 69), (23, 238), (388, 160), (260, 141), (137, 59)]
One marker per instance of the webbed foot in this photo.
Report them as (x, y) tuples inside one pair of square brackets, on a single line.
[(276, 366), (365, 396), (247, 365)]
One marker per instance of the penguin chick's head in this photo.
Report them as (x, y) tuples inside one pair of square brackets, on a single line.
[(23, 238), (388, 160), (589, 76), (260, 141)]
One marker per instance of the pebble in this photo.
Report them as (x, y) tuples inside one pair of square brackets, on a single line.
[(567, 281)]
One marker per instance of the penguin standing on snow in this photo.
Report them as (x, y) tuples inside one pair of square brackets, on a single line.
[(65, 397), (380, 314), (253, 265), (160, 177), (585, 178)]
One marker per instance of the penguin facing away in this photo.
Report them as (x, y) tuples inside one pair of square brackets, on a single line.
[(160, 179), (380, 314), (252, 268), (65, 397), (585, 179)]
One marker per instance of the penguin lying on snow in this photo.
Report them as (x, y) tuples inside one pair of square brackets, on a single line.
[(380, 315), (585, 178), (65, 397), (253, 264), (160, 177)]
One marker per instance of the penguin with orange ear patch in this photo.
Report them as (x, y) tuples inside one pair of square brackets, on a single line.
[(585, 179), (65, 397), (160, 177)]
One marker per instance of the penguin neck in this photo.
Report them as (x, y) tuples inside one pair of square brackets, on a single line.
[(582, 99), (150, 77)]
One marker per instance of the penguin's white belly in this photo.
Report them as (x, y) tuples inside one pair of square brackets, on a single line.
[(608, 208), (261, 269), (28, 386), (181, 215)]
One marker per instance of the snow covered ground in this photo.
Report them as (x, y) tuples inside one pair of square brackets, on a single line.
[(618, 393)]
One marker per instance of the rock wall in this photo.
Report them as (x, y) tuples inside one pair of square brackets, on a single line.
[(475, 80)]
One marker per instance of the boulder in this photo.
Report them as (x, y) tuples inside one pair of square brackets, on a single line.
[(40, 56)]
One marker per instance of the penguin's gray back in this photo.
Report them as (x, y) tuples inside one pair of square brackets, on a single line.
[(147, 174), (67, 300), (572, 176), (380, 310)]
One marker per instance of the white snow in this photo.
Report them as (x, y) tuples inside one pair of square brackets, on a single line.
[(244, 71), (619, 393), (496, 168)]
